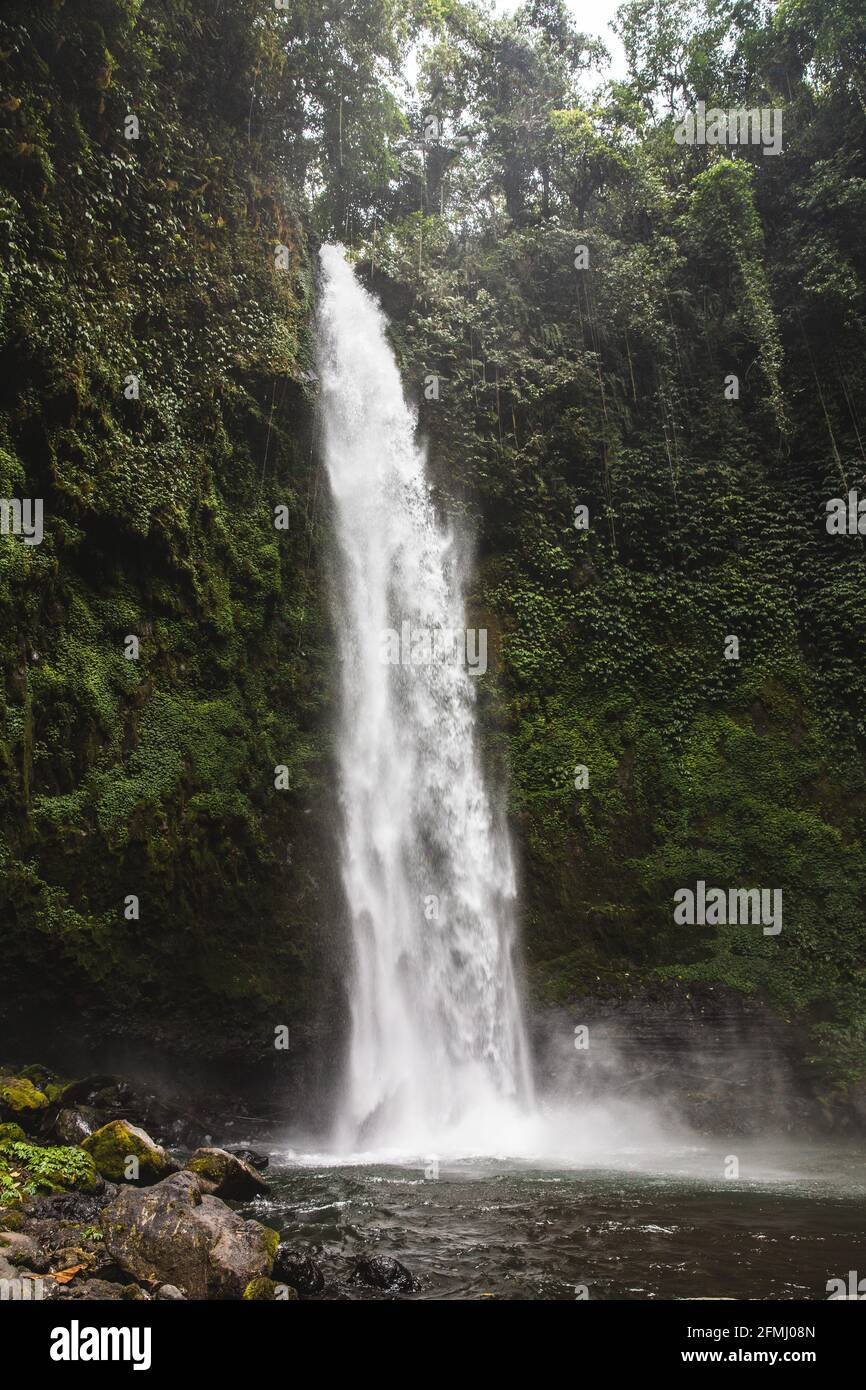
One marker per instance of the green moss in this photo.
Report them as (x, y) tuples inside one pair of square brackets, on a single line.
[(272, 1240), (260, 1289), (11, 1131), (20, 1096), (112, 1146)]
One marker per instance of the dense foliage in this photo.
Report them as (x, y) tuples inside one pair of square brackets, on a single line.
[(154, 777), (604, 387)]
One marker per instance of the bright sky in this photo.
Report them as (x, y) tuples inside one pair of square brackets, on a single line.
[(593, 17)]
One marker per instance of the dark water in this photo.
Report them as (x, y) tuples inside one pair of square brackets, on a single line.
[(653, 1230)]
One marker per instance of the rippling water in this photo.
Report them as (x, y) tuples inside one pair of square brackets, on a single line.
[(651, 1228)]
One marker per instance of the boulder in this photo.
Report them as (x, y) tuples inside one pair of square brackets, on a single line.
[(16, 1248), (75, 1124), (382, 1272), (76, 1207), (21, 1101), (116, 1143), (226, 1175), (256, 1160), (174, 1234), (169, 1293), (263, 1290), (298, 1269), (119, 1099)]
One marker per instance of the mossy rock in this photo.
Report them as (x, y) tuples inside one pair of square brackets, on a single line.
[(272, 1241), (116, 1143), (42, 1077), (19, 1098), (266, 1290), (11, 1131), (28, 1169), (226, 1175)]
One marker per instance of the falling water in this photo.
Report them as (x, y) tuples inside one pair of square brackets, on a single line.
[(438, 1050)]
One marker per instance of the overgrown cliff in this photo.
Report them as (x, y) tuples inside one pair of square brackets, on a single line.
[(156, 292)]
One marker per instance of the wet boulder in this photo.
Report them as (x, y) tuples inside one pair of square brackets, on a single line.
[(226, 1175), (299, 1270), (173, 1233), (124, 1153), (255, 1160), (75, 1124), (382, 1272)]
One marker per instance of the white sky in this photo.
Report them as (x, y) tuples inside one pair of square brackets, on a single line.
[(593, 17)]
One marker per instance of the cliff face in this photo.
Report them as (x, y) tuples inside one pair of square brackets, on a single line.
[(676, 633), (164, 649)]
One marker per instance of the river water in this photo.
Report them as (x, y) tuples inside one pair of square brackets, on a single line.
[(651, 1228)]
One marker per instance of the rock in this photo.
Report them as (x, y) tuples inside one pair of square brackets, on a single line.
[(10, 1131), (80, 1207), (298, 1270), (43, 1077), (116, 1143), (120, 1100), (172, 1233), (255, 1160), (101, 1290), (21, 1101), (260, 1290), (16, 1248), (29, 1168), (85, 1088), (226, 1175), (169, 1293), (75, 1124), (382, 1272)]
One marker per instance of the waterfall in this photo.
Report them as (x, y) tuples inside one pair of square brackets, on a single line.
[(437, 1050)]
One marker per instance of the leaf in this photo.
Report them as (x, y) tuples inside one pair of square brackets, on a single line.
[(63, 1276)]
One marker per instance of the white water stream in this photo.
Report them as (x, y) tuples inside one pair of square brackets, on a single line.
[(438, 1057)]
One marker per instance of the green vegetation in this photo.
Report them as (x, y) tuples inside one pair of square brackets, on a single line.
[(154, 778), (604, 387), (26, 1169)]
